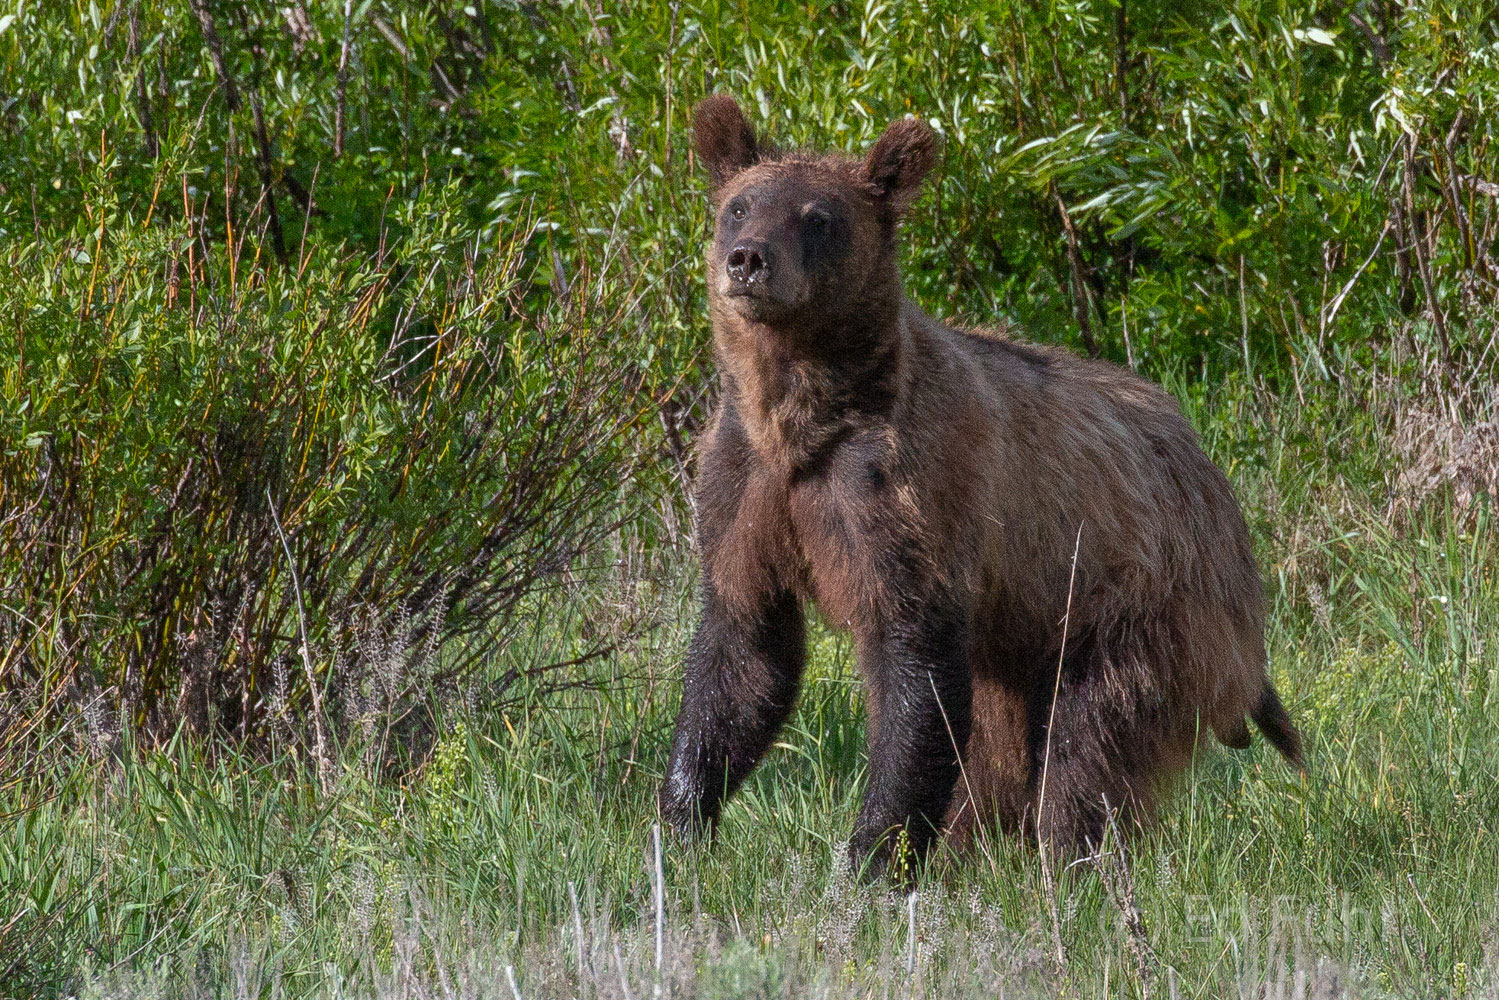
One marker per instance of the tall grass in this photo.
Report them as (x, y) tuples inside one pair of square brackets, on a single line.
[(188, 868)]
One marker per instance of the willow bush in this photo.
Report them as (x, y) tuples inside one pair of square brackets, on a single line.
[(217, 471), (1165, 182)]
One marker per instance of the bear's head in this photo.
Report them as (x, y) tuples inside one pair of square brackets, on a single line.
[(803, 242)]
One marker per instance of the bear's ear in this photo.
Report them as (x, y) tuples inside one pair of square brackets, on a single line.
[(899, 161), (722, 138)]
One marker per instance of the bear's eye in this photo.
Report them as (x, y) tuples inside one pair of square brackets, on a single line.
[(737, 210), (817, 221)]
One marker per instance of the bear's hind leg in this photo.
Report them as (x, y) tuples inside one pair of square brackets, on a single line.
[(994, 785), (1101, 748)]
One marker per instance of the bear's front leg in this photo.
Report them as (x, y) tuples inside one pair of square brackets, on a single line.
[(743, 671), (919, 680)]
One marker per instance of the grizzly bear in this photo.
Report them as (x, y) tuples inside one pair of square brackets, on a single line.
[(1050, 587)]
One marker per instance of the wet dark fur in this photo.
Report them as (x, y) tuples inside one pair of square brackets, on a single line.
[(926, 487)]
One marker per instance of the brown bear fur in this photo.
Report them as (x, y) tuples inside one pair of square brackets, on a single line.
[(927, 487)]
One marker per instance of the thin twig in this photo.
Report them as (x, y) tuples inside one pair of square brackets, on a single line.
[(394, 39), (312, 686), (343, 81), (216, 52), (1422, 900), (572, 894), (619, 963), (1118, 878), (963, 771), (1046, 873), (263, 160), (660, 900), (911, 938), (1417, 242), (1337, 302), (1486, 188), (1082, 300)]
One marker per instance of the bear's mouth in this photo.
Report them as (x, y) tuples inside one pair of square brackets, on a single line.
[(761, 301), (760, 305)]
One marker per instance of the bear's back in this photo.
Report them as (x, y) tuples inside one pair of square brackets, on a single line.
[(1085, 445)]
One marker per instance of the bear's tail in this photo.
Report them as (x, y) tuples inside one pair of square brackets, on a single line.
[(1270, 715)]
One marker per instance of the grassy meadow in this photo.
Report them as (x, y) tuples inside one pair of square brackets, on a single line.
[(349, 367)]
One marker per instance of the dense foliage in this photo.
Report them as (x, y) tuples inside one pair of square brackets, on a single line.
[(1210, 176)]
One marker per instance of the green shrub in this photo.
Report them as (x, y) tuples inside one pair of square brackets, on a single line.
[(1234, 182), (209, 462)]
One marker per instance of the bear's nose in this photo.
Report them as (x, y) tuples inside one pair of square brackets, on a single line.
[(748, 263)]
